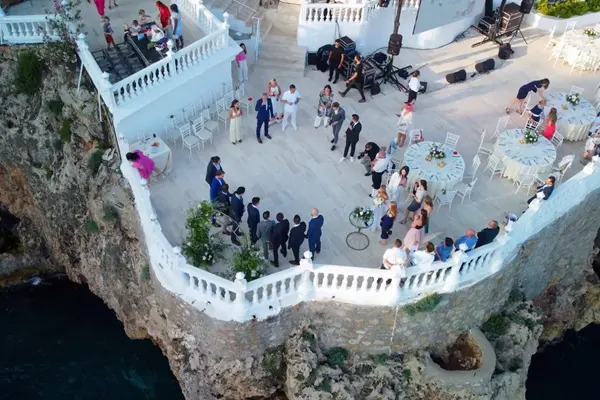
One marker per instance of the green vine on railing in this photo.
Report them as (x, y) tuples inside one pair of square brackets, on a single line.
[(65, 23)]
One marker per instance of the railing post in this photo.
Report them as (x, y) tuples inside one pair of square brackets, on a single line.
[(458, 257), (225, 28), (107, 93), (241, 307), (306, 289)]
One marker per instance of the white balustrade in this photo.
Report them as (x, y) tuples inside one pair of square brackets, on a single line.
[(200, 14), (25, 29), (332, 13)]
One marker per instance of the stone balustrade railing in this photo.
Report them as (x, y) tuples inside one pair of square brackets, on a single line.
[(313, 13), (199, 13), (23, 29), (242, 301)]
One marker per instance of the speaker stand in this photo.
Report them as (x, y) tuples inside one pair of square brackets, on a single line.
[(388, 76), (518, 31)]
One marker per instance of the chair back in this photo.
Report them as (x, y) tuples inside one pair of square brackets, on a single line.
[(531, 124), (229, 97), (557, 139), (185, 131), (476, 164), (198, 125), (570, 27), (502, 123), (220, 105), (552, 32), (205, 115), (525, 179), (566, 162), (414, 136), (472, 184), (576, 89), (198, 106), (447, 198), (451, 139), (178, 119), (240, 91), (493, 162)]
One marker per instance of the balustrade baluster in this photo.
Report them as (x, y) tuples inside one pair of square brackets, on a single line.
[(17, 29), (344, 285)]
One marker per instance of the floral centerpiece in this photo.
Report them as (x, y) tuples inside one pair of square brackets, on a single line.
[(155, 144), (361, 217), (590, 32), (573, 99), (435, 152), (530, 137)]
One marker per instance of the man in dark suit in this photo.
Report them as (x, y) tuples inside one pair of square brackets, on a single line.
[(296, 239), (368, 155), (315, 226), (352, 135), (546, 189), (211, 170), (215, 188), (279, 237), (236, 213), (487, 235), (264, 113), (337, 119), (223, 205), (253, 218)]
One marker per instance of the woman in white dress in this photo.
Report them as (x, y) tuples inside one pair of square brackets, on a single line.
[(380, 206), (397, 183), (235, 122), (274, 93)]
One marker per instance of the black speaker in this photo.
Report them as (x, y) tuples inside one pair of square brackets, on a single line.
[(526, 6), (505, 51), (485, 66), (375, 88), (394, 44), (312, 58), (423, 87), (456, 77)]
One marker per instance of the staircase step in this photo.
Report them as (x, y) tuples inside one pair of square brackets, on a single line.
[(284, 49)]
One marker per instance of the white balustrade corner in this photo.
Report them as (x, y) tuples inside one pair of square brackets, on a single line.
[(26, 29), (201, 15)]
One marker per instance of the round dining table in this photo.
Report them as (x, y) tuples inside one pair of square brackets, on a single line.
[(518, 158), (577, 42), (438, 177), (573, 122)]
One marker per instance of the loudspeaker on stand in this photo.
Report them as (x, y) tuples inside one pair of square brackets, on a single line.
[(526, 6), (394, 44)]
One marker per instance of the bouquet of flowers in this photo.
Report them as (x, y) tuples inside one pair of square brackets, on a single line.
[(530, 136), (362, 214), (590, 32), (378, 200), (573, 99), (436, 151)]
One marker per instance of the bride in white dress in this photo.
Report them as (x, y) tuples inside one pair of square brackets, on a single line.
[(274, 93), (397, 183), (235, 123), (380, 206)]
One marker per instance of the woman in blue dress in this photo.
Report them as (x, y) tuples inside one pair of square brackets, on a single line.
[(524, 90)]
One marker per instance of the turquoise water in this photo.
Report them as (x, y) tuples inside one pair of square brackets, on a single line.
[(59, 341)]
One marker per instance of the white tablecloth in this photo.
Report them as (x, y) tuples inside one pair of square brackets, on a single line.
[(161, 154), (577, 41), (516, 157), (437, 178), (573, 123)]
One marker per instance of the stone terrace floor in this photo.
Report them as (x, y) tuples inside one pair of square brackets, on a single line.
[(125, 13), (296, 170)]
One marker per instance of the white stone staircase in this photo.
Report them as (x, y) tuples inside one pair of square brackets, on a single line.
[(237, 10), (279, 54)]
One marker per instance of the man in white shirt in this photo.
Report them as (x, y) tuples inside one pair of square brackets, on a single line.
[(394, 259), (290, 98), (378, 168), (414, 85)]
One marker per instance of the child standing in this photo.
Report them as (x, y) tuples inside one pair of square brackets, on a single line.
[(537, 112), (108, 32)]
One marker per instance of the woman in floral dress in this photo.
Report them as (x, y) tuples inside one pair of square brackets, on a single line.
[(324, 107)]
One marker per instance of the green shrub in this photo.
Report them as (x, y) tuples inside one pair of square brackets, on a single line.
[(336, 356), (273, 363), (48, 171), (92, 226), (495, 326), (145, 273), (201, 248), (95, 161), (325, 385), (29, 73), (309, 337), (426, 304), (65, 130), (567, 8), (407, 374), (526, 322), (55, 106), (111, 213), (380, 358), (247, 259)]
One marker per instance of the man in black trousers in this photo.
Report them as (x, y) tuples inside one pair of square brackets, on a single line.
[(279, 237), (335, 60), (356, 80), (253, 218), (213, 166), (296, 239), (236, 212), (352, 135)]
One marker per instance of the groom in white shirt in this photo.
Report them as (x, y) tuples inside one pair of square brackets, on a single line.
[(290, 98)]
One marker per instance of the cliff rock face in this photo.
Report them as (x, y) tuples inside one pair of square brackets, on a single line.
[(77, 215)]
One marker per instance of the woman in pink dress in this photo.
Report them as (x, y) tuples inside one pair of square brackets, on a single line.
[(414, 237), (100, 5), (550, 127), (143, 164)]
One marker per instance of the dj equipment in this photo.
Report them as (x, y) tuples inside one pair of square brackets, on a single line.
[(423, 87), (526, 6), (505, 51), (485, 66), (456, 77), (505, 22), (322, 55), (379, 58), (394, 44), (347, 44), (312, 58), (375, 89), (370, 72)]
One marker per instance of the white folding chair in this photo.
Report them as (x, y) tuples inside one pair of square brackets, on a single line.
[(188, 113), (552, 40), (171, 134), (444, 199), (210, 125), (474, 167), (576, 90), (190, 141), (216, 96), (451, 140), (198, 107), (229, 96), (557, 51), (557, 139), (481, 149), (178, 120), (142, 137), (494, 166), (584, 61), (222, 113), (532, 124), (500, 126), (203, 134), (564, 164), (464, 190), (524, 180), (242, 98), (414, 136), (569, 27), (526, 104)]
